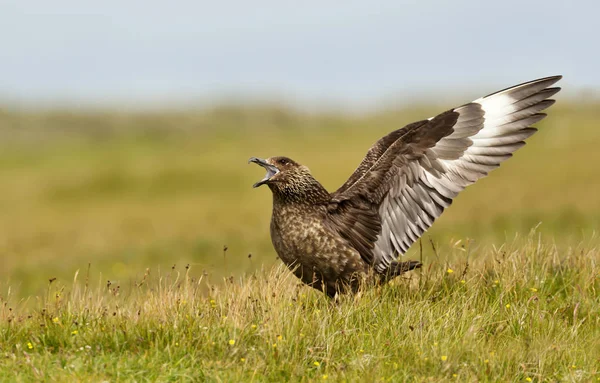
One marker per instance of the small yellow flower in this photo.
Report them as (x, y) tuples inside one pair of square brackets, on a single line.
[(496, 281), (279, 337), (533, 289), (274, 345), (449, 271), (301, 335), (492, 353), (317, 364), (486, 361), (253, 326), (507, 305), (361, 350), (231, 342), (463, 281), (74, 332), (444, 358), (176, 343), (242, 360), (324, 377), (528, 379), (29, 345), (454, 375), (55, 319)]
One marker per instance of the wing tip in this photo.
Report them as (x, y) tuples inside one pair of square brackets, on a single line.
[(550, 80), (555, 77)]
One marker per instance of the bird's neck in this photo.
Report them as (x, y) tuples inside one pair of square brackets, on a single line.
[(310, 192)]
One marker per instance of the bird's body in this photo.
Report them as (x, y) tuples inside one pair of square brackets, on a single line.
[(333, 240), (315, 253)]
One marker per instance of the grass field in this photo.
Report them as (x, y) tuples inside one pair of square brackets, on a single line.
[(125, 202)]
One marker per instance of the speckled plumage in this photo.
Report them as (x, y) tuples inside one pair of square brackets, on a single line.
[(333, 240), (316, 255)]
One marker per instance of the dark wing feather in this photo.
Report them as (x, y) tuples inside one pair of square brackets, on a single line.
[(377, 151), (353, 209), (394, 151), (411, 175), (358, 222)]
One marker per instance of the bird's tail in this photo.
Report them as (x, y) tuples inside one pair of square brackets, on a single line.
[(399, 268)]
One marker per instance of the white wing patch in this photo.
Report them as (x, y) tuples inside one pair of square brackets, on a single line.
[(487, 132)]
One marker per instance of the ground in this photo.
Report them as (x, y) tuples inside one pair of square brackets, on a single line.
[(134, 248)]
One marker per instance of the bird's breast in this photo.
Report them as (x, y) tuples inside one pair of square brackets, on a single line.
[(301, 239), (297, 237)]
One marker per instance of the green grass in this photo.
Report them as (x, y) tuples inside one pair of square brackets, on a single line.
[(525, 311), (127, 192)]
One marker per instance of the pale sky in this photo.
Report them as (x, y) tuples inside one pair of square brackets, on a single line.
[(346, 52)]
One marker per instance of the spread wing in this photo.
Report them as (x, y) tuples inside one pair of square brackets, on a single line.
[(353, 209), (410, 176)]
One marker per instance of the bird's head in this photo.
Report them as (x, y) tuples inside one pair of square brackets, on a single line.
[(279, 170), (287, 177)]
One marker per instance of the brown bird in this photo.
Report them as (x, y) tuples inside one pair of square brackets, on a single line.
[(331, 241)]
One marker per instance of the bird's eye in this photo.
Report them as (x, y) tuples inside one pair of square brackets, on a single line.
[(283, 161)]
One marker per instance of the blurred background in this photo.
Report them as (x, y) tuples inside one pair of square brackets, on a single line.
[(125, 126)]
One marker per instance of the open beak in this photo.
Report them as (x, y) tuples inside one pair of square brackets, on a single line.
[(271, 170)]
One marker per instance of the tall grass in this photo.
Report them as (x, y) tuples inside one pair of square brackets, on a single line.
[(528, 311)]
